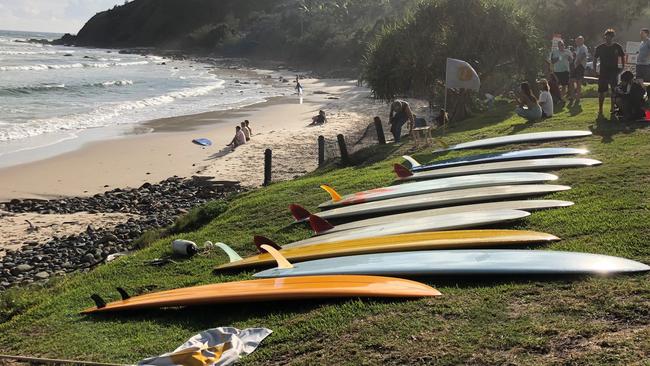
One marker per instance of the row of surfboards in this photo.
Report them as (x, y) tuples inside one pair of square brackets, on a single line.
[(419, 227)]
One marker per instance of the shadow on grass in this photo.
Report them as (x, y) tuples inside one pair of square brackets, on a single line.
[(608, 128)]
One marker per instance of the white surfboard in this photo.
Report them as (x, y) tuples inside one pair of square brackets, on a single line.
[(438, 223), (440, 199), (504, 166), (463, 262), (431, 186), (523, 205), (517, 139)]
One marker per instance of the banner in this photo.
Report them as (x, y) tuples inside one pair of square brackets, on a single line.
[(461, 75)]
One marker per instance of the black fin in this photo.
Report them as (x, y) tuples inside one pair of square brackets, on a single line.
[(123, 293), (98, 301)]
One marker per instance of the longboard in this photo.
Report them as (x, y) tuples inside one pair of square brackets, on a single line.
[(394, 243), (463, 262), (438, 223), (523, 205), (517, 139), (504, 166), (440, 199), (431, 186), (494, 157), (294, 288)]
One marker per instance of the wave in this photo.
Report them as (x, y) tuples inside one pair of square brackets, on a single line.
[(101, 116), (41, 88), (77, 65)]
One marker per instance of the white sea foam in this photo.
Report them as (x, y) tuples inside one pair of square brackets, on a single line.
[(77, 65)]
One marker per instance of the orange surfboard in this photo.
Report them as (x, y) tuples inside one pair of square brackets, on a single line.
[(295, 288)]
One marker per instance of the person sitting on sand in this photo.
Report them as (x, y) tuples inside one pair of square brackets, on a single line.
[(239, 139), (629, 98), (528, 107), (400, 113), (248, 127), (319, 119), (246, 132)]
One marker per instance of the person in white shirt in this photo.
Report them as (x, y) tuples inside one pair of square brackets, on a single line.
[(247, 132), (545, 99), (239, 139), (578, 72), (561, 59)]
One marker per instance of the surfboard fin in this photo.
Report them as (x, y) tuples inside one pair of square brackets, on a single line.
[(319, 224), (298, 212), (123, 293), (283, 263), (232, 255), (99, 302), (261, 240), (401, 171), (335, 196), (410, 159)]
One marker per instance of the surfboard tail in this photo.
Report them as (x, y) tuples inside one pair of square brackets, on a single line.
[(299, 213), (401, 171), (232, 255), (283, 263), (332, 192), (319, 224), (262, 240), (414, 163)]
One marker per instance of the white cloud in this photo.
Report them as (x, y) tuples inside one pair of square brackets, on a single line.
[(63, 16)]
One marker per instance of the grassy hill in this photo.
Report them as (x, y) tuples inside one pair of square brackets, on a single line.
[(518, 321)]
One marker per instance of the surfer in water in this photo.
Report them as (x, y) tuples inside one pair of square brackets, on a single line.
[(400, 113)]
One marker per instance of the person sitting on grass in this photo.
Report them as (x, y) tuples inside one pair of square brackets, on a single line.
[(246, 132), (319, 119), (443, 119), (545, 99), (400, 113), (629, 97), (528, 107), (238, 140)]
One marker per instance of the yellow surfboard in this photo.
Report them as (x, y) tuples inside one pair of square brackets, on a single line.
[(295, 288), (395, 243)]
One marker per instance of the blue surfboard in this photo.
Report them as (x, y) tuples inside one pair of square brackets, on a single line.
[(202, 142)]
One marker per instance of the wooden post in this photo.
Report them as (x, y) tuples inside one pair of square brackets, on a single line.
[(345, 158), (380, 131), (268, 156), (321, 151)]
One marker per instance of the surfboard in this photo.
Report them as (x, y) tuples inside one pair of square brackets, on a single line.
[(523, 205), (295, 288), (202, 142), (436, 223), (517, 139), (463, 262), (494, 157), (431, 186), (440, 199), (505, 166), (394, 243)]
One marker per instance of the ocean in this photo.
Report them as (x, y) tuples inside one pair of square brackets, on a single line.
[(50, 94)]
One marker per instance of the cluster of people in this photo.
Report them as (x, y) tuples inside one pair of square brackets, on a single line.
[(243, 134), (566, 74)]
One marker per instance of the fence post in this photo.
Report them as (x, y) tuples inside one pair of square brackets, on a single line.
[(268, 156), (321, 151), (380, 131), (345, 159)]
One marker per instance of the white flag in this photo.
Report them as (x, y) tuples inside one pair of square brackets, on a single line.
[(461, 75)]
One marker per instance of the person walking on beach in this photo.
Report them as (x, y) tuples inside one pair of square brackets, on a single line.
[(528, 107), (561, 62), (245, 130), (609, 54), (643, 60), (579, 67), (248, 127), (238, 140), (298, 86), (545, 99), (400, 113)]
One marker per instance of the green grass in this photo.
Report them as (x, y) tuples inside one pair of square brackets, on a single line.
[(588, 321)]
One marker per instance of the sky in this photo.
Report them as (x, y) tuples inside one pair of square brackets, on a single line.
[(57, 16)]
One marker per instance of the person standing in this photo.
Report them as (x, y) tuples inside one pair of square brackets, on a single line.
[(561, 61), (579, 66), (400, 113), (528, 107), (609, 54), (643, 60)]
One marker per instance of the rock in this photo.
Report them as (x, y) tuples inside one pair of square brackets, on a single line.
[(88, 258), (42, 275)]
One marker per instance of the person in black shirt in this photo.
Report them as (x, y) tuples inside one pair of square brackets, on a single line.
[(609, 54), (629, 97)]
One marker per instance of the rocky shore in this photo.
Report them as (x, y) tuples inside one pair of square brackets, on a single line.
[(151, 206)]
